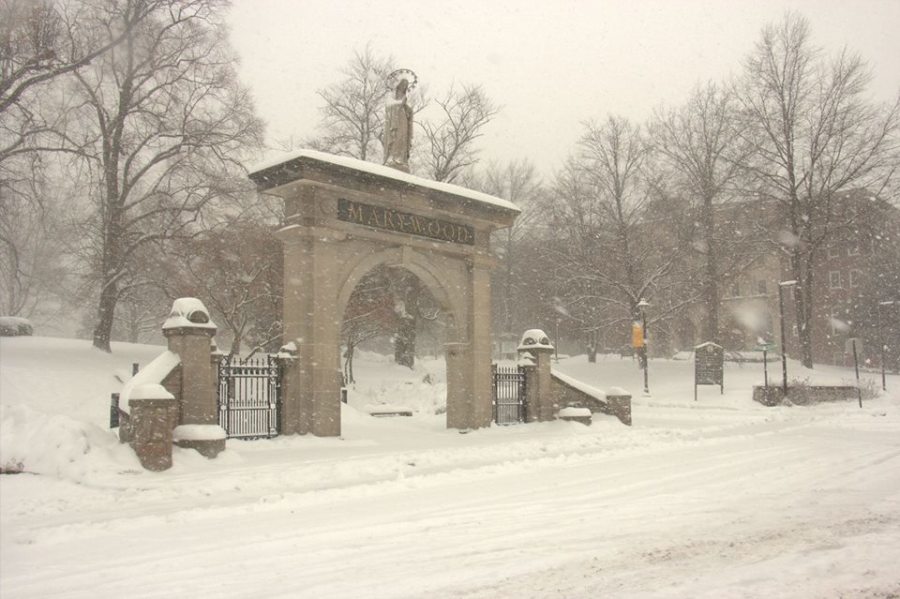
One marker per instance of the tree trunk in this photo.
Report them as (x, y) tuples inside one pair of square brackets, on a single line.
[(405, 338), (711, 288), (106, 311), (803, 305), (592, 348), (405, 342), (803, 299)]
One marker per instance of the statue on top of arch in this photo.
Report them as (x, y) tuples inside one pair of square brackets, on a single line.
[(398, 120)]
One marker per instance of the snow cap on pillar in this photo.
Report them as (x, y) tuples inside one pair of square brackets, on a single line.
[(534, 339), (188, 313)]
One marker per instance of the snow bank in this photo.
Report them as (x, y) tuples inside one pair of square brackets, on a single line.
[(571, 412), (198, 432), (55, 445)]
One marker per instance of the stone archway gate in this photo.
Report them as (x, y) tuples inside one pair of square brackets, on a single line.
[(344, 217)]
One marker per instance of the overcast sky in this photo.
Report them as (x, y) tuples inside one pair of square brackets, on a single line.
[(551, 64)]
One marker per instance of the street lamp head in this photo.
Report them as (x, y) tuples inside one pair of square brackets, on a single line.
[(788, 283), (643, 303), (887, 303)]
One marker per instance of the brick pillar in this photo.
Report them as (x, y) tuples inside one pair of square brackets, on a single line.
[(189, 333), (154, 413)]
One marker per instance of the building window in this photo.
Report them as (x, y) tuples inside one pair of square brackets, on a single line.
[(834, 251), (834, 279), (761, 287), (855, 277)]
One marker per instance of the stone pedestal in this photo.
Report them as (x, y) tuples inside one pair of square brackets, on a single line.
[(154, 413), (540, 404)]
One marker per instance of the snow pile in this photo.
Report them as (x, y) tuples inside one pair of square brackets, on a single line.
[(55, 445), (198, 432), (55, 404), (151, 376), (384, 386)]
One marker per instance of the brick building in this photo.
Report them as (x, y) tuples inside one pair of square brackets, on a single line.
[(856, 273)]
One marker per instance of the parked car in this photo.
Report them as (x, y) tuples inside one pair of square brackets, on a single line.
[(15, 326)]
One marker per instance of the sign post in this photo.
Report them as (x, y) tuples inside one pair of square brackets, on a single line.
[(764, 348), (709, 366)]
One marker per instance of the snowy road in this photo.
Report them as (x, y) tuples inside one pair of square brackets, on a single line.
[(809, 509), (716, 498)]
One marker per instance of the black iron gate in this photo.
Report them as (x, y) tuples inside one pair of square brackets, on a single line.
[(250, 397), (508, 394)]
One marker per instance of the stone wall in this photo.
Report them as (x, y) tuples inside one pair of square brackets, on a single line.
[(612, 404), (804, 394)]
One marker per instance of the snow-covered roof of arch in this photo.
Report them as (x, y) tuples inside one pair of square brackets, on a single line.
[(267, 180)]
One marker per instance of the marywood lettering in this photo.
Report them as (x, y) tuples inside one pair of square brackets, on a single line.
[(402, 222)]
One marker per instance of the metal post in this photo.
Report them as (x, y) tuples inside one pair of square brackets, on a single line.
[(114, 410), (556, 348), (765, 371), (856, 367), (644, 352), (135, 367), (883, 344)]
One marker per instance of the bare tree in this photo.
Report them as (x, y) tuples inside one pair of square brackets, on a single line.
[(31, 267), (815, 134), (40, 41), (449, 146), (164, 123), (231, 268), (700, 145), (518, 182), (353, 110), (610, 250)]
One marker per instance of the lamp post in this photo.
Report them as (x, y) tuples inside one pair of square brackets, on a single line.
[(644, 356), (556, 345), (781, 287), (881, 332)]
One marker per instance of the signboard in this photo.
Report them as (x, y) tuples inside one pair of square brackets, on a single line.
[(709, 366), (637, 335), (403, 222)]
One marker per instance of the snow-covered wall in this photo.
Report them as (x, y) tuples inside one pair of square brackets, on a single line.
[(568, 391)]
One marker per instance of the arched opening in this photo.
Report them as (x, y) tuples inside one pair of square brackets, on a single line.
[(392, 345)]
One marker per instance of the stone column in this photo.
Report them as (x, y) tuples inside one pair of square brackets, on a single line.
[(459, 393), (312, 398), (540, 402), (480, 341), (189, 332)]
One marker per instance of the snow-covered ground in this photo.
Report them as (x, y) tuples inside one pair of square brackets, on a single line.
[(718, 498)]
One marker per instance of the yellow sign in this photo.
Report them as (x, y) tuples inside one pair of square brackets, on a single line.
[(637, 335)]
